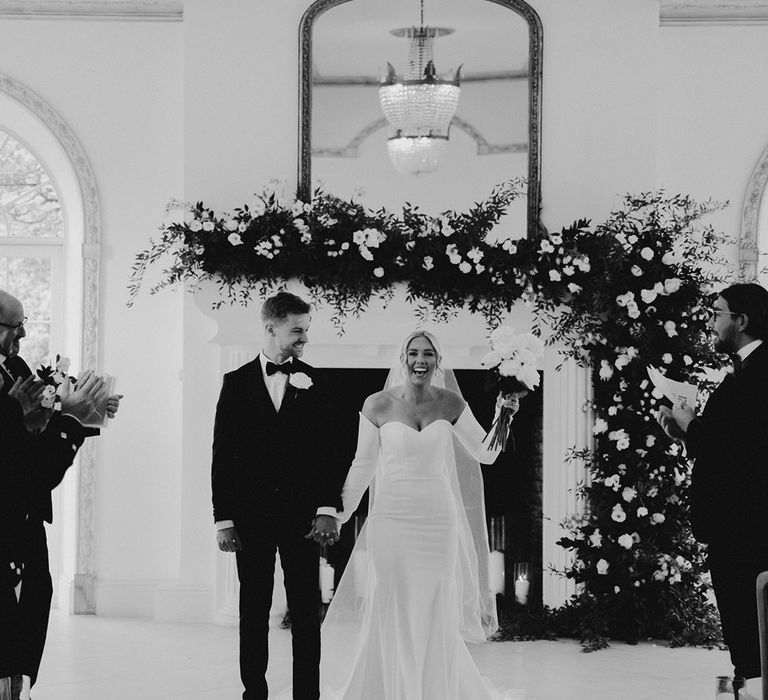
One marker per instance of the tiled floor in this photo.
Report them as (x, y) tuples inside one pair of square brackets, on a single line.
[(89, 658)]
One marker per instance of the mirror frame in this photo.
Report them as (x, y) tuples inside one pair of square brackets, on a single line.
[(535, 53)]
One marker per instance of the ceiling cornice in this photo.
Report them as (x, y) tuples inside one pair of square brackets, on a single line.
[(142, 10), (689, 12)]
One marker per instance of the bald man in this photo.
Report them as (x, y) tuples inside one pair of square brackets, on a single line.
[(55, 439)]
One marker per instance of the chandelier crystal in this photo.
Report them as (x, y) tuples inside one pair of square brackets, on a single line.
[(421, 105)]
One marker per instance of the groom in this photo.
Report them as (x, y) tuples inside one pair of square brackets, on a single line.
[(273, 466)]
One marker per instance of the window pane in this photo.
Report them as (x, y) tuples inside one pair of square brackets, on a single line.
[(29, 279), (29, 203)]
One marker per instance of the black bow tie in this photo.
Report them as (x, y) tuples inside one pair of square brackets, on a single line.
[(285, 368)]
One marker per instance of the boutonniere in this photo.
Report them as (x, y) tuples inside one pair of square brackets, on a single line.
[(299, 380)]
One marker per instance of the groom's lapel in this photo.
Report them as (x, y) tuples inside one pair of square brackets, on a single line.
[(261, 395)]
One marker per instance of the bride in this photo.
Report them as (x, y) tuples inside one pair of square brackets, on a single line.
[(415, 588)]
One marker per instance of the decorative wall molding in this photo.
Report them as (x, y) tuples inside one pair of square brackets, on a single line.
[(749, 245), (146, 10), (85, 574), (697, 12)]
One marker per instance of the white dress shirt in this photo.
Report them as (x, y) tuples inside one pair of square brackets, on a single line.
[(748, 349)]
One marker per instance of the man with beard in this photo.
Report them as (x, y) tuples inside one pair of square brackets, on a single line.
[(729, 484), (42, 460)]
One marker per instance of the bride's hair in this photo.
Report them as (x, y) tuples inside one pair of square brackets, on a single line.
[(420, 333)]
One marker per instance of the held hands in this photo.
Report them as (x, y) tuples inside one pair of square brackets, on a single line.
[(674, 421), (510, 401), (325, 530), (228, 540)]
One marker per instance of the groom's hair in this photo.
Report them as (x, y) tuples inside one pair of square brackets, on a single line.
[(278, 307), (751, 300)]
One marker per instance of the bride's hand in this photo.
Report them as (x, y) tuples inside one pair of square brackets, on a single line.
[(510, 401)]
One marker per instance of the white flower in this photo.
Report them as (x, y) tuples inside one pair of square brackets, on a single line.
[(573, 288), (650, 441), (583, 263), (195, 226), (624, 299), (243, 227), (491, 360), (648, 295), (666, 358), (626, 541), (670, 258), (258, 208), (622, 361), (658, 518), (556, 238), (365, 253), (510, 246), (358, 237), (48, 396), (642, 511), (569, 270), (600, 426), (410, 245), (671, 328), (554, 276), (653, 492), (646, 253), (208, 226), (231, 225), (299, 380), (612, 410), (465, 267), (479, 268), (234, 239), (628, 494), (618, 513), (602, 567), (510, 368), (633, 310), (445, 226), (298, 208), (428, 262), (596, 539), (63, 364), (379, 272), (636, 270), (475, 254), (620, 437), (672, 285), (606, 371), (546, 247), (613, 481), (301, 225), (529, 376), (687, 359)]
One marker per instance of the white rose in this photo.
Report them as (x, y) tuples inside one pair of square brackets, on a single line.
[(606, 371), (379, 272), (365, 253), (573, 288), (509, 368), (633, 310), (596, 539), (554, 276), (299, 380), (671, 328), (195, 226), (491, 360), (234, 239), (532, 343), (258, 208), (628, 494), (650, 441), (648, 295), (600, 427), (208, 226), (642, 511), (479, 268), (646, 253), (618, 513), (465, 267), (636, 270), (602, 567), (529, 376), (666, 358), (687, 359), (658, 518), (626, 541), (672, 285), (621, 361), (358, 237), (231, 225), (569, 270), (428, 262)]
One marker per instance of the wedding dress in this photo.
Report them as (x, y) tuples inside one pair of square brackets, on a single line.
[(411, 593)]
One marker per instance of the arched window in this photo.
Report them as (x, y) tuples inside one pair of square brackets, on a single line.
[(32, 239)]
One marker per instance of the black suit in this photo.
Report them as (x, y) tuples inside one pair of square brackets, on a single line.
[(42, 459), (271, 471), (729, 500)]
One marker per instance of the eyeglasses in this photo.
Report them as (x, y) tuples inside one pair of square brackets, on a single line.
[(15, 326), (711, 313)]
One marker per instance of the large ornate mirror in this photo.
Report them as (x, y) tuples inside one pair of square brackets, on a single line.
[(349, 148)]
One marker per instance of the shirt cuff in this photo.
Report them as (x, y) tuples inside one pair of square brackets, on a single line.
[(327, 510), (222, 524)]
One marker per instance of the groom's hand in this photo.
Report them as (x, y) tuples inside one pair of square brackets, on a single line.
[(325, 530), (228, 539)]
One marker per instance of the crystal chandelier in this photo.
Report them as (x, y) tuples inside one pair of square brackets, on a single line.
[(419, 106)]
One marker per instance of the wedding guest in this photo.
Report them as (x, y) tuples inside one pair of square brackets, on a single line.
[(273, 466), (729, 489), (56, 438)]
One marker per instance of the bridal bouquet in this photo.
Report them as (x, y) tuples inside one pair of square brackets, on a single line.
[(512, 363)]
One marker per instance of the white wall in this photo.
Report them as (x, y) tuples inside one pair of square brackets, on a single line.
[(117, 85), (208, 109)]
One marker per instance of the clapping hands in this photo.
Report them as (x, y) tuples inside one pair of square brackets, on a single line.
[(29, 393)]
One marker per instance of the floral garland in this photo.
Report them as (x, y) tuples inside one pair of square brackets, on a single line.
[(616, 297)]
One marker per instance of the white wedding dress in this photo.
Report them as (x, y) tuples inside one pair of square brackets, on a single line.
[(409, 597)]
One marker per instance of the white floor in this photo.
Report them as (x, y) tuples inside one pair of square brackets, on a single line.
[(125, 659)]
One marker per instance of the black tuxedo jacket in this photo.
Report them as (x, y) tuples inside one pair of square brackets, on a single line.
[(729, 442), (48, 454), (260, 454)]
